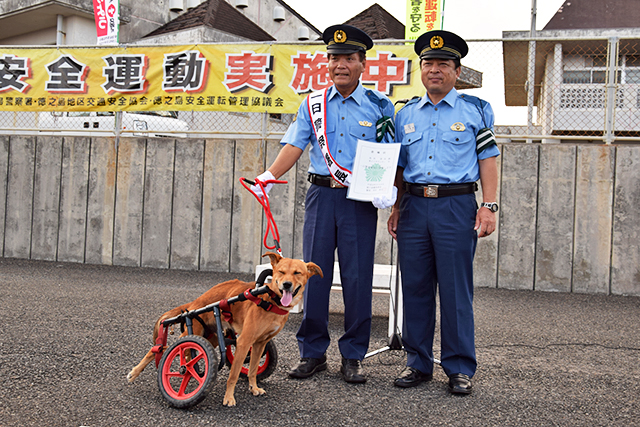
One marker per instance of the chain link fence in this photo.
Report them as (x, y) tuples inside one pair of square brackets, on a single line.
[(541, 90), (569, 90), (175, 124)]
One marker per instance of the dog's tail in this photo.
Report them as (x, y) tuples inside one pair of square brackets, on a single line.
[(150, 356)]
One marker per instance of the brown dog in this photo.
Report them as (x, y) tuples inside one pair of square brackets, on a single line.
[(254, 326)]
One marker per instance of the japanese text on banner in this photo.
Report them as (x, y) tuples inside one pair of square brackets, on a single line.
[(243, 78)]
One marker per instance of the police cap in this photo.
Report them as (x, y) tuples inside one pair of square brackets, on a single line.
[(441, 44), (345, 39)]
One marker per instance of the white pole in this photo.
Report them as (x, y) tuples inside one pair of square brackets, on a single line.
[(59, 32), (531, 79), (612, 68), (534, 13)]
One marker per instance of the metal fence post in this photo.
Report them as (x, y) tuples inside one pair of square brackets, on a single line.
[(118, 127), (612, 74), (551, 117), (265, 125)]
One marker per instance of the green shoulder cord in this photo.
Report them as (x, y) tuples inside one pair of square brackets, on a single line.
[(384, 125)]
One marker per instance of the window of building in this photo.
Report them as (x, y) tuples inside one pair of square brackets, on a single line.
[(594, 70), (631, 69)]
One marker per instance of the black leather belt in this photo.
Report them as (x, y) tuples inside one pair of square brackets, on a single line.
[(324, 181), (440, 190)]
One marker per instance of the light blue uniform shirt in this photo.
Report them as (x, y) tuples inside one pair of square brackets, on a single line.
[(347, 121), (439, 141)]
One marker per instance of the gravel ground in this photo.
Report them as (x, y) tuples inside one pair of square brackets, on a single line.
[(71, 333)]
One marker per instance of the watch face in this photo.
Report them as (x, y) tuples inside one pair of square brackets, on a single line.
[(493, 207)]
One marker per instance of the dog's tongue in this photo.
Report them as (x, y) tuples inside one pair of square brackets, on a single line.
[(286, 299)]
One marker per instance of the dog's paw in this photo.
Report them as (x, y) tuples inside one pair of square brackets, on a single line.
[(229, 401), (256, 391), (131, 376)]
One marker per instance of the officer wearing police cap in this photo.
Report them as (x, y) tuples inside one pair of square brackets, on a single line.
[(447, 145), (331, 220)]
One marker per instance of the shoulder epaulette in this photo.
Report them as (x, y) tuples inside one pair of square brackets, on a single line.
[(480, 103), (377, 98), (407, 101)]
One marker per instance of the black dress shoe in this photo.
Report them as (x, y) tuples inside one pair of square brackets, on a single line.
[(308, 366), (411, 377), (460, 384), (352, 371)]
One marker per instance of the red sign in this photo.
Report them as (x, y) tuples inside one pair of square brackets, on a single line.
[(107, 20)]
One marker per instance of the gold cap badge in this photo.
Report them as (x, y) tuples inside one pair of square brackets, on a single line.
[(436, 42), (339, 36)]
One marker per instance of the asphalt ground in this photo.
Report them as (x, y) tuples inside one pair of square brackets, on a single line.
[(71, 333)]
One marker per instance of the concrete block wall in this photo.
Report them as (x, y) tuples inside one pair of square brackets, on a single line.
[(568, 220)]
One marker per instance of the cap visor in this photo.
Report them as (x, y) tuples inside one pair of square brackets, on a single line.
[(440, 54), (343, 50)]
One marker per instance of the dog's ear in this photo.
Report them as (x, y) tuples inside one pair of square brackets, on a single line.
[(275, 258), (313, 269)]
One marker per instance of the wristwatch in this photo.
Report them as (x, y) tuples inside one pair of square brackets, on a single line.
[(493, 206)]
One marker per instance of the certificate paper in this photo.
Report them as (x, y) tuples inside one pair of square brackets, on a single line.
[(374, 170)]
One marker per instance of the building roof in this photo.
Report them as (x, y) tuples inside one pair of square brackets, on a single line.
[(595, 14), (378, 23), (216, 14), (301, 18)]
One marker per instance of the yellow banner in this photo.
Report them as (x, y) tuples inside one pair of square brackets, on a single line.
[(423, 16), (234, 77)]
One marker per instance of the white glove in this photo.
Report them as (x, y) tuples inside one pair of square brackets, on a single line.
[(384, 202), (263, 177)]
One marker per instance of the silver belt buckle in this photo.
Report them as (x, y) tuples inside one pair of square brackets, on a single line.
[(335, 184), (430, 191)]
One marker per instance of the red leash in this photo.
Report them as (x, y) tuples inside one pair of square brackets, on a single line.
[(264, 202)]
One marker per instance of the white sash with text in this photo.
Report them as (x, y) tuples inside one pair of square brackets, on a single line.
[(316, 102)]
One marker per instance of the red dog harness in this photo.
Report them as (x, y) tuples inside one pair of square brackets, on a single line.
[(225, 307)]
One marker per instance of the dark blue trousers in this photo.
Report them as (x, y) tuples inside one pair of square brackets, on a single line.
[(332, 221), (436, 246)]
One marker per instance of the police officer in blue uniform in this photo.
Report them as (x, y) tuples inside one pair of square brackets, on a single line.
[(332, 122), (447, 145)]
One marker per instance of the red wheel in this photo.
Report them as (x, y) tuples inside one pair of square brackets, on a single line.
[(267, 365), (187, 370)]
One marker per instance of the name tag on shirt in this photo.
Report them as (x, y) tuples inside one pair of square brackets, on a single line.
[(410, 128)]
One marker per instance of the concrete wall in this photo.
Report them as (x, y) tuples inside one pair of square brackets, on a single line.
[(568, 220)]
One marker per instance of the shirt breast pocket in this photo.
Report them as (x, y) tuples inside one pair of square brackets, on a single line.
[(363, 132), (331, 141), (330, 129), (456, 147), (415, 150)]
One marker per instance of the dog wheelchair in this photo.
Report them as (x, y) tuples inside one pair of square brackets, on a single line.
[(188, 368)]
